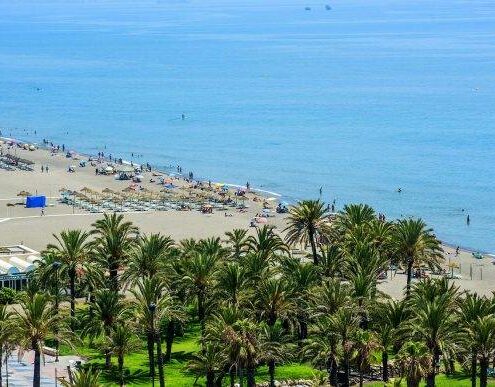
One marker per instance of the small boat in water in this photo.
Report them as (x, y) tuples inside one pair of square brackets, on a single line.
[(328, 7), (308, 8)]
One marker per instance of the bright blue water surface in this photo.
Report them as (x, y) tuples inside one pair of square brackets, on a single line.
[(361, 99)]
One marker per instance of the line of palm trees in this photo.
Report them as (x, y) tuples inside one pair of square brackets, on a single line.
[(255, 302)]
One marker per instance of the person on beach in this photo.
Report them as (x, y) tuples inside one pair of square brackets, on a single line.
[(457, 251), (247, 185), (46, 169), (42, 169), (42, 211), (321, 191)]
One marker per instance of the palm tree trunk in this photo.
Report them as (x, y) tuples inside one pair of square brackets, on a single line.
[(430, 378), (333, 372), (159, 356), (311, 235), (151, 354), (474, 357), (483, 371), (1, 365), (113, 272), (241, 377), (271, 371), (210, 379), (303, 328), (409, 277), (346, 371), (360, 378), (37, 366), (108, 359), (121, 369), (72, 289), (170, 340), (250, 377), (412, 383), (201, 313), (385, 366)]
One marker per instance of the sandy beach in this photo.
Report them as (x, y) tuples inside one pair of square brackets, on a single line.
[(19, 225)]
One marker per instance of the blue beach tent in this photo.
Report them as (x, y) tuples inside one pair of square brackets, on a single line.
[(35, 201)]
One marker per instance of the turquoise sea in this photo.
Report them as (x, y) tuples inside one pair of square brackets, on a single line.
[(360, 99)]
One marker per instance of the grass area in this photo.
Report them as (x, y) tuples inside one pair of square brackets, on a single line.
[(175, 372), (459, 380), (184, 347)]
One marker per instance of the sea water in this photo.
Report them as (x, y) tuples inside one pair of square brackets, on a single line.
[(359, 99)]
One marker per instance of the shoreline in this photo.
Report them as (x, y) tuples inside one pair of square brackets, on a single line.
[(262, 192)]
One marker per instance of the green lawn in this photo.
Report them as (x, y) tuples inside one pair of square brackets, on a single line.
[(184, 347), (175, 373), (444, 381)]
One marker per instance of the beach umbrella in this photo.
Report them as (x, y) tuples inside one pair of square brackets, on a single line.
[(107, 190), (24, 193), (261, 220)]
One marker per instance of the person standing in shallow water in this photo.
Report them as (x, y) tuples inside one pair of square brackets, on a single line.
[(468, 220)]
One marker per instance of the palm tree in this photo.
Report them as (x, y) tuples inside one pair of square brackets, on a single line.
[(352, 216), (415, 244), (307, 222), (434, 324), (266, 243), (237, 241), (363, 343), (114, 241), (199, 274), (330, 297), (33, 324), (5, 333), (302, 279), (121, 342), (481, 336), (471, 309), (83, 378), (414, 360), (247, 333), (232, 282), (345, 323), (221, 332), (274, 347), (212, 246), (153, 292), (363, 287), (109, 310), (72, 251), (388, 318), (331, 261), (273, 301), (322, 348), (207, 363), (148, 257)]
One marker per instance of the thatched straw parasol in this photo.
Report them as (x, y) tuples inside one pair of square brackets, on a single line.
[(24, 193)]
